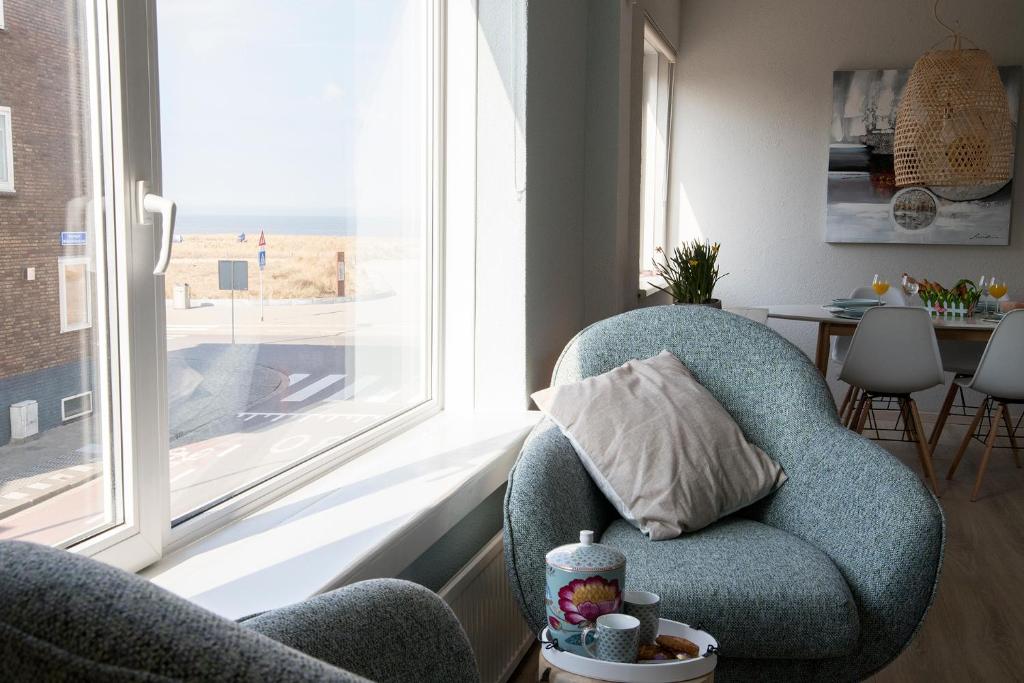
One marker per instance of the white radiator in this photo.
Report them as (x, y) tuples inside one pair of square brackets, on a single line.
[(480, 597)]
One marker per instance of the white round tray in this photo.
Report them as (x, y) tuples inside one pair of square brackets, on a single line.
[(668, 671)]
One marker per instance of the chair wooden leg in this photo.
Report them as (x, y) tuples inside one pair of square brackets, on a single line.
[(922, 446), (1009, 432), (940, 421), (863, 408), (989, 443), (967, 438), (907, 420), (851, 408), (846, 401)]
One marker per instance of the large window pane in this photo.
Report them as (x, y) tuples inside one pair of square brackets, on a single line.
[(57, 464), (307, 123)]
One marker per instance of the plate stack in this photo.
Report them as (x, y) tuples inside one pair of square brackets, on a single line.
[(851, 309)]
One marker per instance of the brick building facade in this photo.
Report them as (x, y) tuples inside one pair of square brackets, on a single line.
[(43, 83)]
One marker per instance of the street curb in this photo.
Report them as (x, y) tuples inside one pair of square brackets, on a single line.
[(45, 486), (197, 303)]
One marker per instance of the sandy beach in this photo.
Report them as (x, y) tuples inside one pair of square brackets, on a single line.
[(298, 266)]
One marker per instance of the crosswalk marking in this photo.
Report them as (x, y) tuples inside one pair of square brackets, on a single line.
[(229, 449), (361, 384), (183, 474), (296, 377), (313, 388)]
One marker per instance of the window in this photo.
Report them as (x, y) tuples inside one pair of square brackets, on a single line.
[(68, 484), (2, 24), (6, 144), (186, 414), (331, 336), (76, 406), (75, 294), (658, 65)]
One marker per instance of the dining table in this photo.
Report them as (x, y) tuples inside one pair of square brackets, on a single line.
[(963, 329)]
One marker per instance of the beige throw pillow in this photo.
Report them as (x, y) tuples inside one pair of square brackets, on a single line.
[(667, 455)]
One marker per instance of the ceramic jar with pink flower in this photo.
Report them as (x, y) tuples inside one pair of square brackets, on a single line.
[(584, 581)]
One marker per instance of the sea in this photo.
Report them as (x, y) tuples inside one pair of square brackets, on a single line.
[(233, 224)]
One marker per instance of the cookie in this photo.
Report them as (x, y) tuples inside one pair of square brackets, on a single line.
[(677, 645), (648, 652)]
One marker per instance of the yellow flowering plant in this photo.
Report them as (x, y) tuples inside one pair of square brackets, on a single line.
[(690, 271)]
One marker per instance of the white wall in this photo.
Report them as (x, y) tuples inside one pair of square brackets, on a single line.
[(612, 207), (501, 360), (555, 172), (582, 145), (752, 112), (557, 178)]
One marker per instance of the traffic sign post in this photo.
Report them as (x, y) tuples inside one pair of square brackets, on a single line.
[(233, 275), (341, 273), (261, 255)]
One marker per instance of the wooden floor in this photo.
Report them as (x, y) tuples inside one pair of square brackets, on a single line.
[(975, 629)]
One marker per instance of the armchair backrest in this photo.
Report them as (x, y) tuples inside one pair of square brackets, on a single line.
[(66, 617), (767, 384)]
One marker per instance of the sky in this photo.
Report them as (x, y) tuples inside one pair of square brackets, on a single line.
[(284, 107)]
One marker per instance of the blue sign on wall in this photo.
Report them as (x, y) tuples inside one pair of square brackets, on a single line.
[(72, 239)]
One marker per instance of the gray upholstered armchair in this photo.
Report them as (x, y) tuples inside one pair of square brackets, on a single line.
[(65, 617), (826, 579)]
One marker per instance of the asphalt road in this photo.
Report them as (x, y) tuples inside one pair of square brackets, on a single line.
[(292, 385)]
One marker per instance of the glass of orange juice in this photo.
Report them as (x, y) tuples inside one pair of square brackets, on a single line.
[(880, 286), (997, 289)]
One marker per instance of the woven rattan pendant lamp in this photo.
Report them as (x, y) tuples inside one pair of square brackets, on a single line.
[(953, 124)]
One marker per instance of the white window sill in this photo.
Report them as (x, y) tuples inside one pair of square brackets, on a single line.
[(370, 517), (647, 288)]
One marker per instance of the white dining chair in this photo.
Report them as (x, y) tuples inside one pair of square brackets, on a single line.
[(1000, 377), (960, 358), (758, 315), (894, 354), (840, 346)]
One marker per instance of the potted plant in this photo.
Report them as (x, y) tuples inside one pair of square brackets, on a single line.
[(690, 272)]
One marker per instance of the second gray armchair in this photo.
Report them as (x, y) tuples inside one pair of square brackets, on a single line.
[(826, 579)]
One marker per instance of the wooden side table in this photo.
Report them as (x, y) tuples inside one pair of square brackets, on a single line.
[(549, 673)]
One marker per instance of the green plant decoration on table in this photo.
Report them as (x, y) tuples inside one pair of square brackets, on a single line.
[(960, 299), (690, 272)]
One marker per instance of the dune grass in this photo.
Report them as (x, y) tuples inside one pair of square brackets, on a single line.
[(298, 266)]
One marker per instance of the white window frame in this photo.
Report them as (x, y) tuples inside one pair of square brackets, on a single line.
[(64, 417), (62, 264), (8, 139), (3, 25), (138, 337), (654, 173)]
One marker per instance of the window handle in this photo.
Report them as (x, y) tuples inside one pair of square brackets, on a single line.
[(150, 204)]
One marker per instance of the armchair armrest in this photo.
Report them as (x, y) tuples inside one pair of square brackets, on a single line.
[(875, 518), (384, 629), (550, 498)]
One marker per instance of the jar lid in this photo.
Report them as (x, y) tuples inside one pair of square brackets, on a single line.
[(586, 556)]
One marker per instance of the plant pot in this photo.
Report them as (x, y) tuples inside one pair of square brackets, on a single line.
[(713, 303)]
